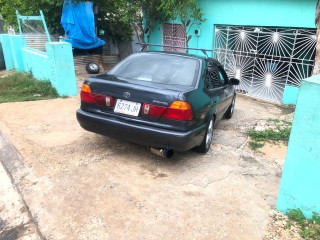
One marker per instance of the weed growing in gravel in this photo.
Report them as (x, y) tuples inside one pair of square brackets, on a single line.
[(19, 87), (255, 145), (278, 132), (310, 228)]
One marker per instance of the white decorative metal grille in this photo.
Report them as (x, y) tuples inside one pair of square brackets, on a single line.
[(174, 35), (265, 59)]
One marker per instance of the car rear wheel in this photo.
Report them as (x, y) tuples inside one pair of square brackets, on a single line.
[(230, 110), (207, 140)]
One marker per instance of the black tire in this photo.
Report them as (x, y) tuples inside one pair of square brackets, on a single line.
[(230, 110), (207, 140), (92, 68)]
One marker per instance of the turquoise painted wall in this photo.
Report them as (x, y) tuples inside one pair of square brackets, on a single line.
[(7, 51), (290, 95), (300, 183), (156, 36), (17, 43), (36, 62), (55, 65), (282, 13), (61, 64)]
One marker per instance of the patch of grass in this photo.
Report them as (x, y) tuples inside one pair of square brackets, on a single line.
[(310, 228), (279, 133), (270, 135), (19, 87), (274, 120), (255, 145)]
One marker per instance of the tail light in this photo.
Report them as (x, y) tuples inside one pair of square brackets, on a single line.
[(178, 110), (153, 110), (87, 96)]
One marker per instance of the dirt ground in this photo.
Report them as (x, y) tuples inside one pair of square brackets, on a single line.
[(79, 185)]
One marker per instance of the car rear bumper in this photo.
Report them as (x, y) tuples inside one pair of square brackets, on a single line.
[(140, 134)]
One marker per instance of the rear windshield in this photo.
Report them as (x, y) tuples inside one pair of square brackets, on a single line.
[(158, 68)]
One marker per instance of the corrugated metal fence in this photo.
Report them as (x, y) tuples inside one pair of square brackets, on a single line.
[(38, 41)]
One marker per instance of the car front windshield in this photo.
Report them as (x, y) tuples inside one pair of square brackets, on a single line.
[(158, 68)]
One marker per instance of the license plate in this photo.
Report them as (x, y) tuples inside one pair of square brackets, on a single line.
[(127, 107)]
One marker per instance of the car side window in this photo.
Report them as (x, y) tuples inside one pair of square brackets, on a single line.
[(212, 78), (222, 76)]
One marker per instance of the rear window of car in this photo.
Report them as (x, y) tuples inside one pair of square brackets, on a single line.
[(158, 68)]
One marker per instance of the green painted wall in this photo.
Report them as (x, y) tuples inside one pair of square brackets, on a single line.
[(300, 183), (283, 13)]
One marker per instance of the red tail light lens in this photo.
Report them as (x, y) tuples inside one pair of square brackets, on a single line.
[(87, 96), (100, 99), (178, 110), (153, 110)]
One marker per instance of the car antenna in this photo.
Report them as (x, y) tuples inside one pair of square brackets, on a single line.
[(145, 45)]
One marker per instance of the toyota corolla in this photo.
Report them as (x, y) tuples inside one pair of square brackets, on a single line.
[(162, 100)]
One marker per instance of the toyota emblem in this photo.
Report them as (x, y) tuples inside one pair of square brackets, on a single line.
[(126, 94)]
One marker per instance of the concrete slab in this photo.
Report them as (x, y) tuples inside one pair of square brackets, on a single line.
[(15, 220), (79, 185)]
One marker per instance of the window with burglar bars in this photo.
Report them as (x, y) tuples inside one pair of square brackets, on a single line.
[(174, 35), (265, 59)]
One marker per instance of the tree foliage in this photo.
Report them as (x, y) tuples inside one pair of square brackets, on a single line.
[(144, 15), (122, 16), (186, 11), (117, 17), (153, 13), (51, 10)]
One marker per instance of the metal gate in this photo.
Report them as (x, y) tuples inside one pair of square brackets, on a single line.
[(265, 59), (174, 35)]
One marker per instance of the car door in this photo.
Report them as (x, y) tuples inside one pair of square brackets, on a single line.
[(215, 88), (227, 88)]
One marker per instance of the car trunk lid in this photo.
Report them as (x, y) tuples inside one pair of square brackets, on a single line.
[(156, 103), (136, 91)]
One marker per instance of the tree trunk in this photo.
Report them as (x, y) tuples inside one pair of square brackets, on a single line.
[(139, 31), (316, 69)]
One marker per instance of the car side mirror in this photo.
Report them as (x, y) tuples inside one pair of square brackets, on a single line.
[(234, 81)]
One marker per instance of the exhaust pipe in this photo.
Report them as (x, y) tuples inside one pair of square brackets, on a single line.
[(165, 152)]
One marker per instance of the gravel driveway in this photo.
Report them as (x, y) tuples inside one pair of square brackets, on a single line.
[(79, 185)]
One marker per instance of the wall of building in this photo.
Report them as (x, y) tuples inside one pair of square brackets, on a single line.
[(282, 13)]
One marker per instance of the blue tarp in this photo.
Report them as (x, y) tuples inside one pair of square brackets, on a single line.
[(78, 23)]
